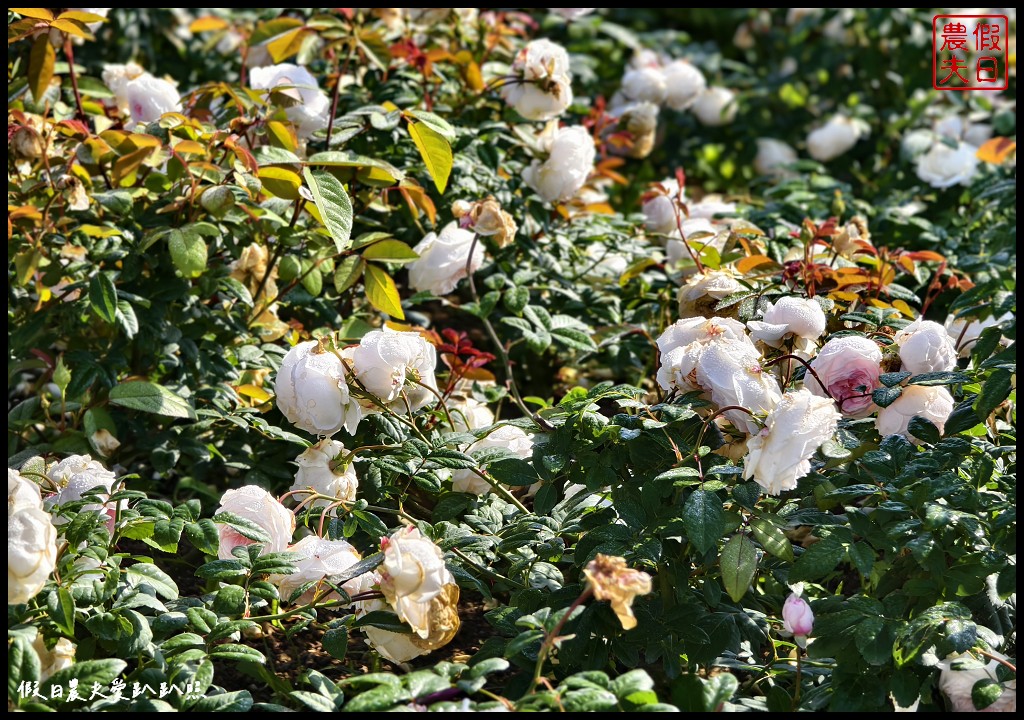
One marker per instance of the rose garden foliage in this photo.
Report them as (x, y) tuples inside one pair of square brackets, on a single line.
[(558, 360)]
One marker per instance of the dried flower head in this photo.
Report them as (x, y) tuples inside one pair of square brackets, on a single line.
[(611, 580)]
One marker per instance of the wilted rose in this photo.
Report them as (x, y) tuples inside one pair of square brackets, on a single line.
[(51, 660), (413, 575), (611, 579)]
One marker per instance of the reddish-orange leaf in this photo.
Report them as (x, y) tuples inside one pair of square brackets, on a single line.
[(747, 264), (997, 150)]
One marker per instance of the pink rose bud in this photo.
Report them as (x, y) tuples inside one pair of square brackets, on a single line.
[(797, 617)]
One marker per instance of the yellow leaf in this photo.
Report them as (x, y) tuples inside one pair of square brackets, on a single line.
[(747, 264), (285, 45), (435, 151), (126, 166), (389, 106), (382, 292), (256, 393), (997, 150), (874, 302), (190, 147), (40, 66), (281, 135), (71, 27), (280, 181), (81, 16), (36, 13), (843, 295), (206, 23), (903, 308)]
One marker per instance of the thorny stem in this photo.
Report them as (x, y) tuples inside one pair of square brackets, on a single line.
[(70, 53), (500, 347), (552, 637)]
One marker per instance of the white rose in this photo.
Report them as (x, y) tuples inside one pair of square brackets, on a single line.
[(943, 166), (925, 347), (965, 337), (316, 471), (683, 345), (509, 437), (61, 656), (312, 108), (916, 143), (977, 134), (21, 493), (397, 367), (957, 128), (684, 83), (469, 414), (312, 392), (604, 263), (443, 260), (396, 647), (930, 402), (661, 207), (570, 159), (413, 575), (541, 87), (773, 156), (571, 14), (801, 318), (319, 559), (733, 376), (699, 233), (780, 454), (832, 139), (253, 503), (116, 77), (31, 553), (75, 475), (715, 106), (150, 97), (703, 291), (702, 330), (849, 367), (645, 84)]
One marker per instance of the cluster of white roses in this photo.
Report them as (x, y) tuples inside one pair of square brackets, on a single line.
[(668, 213), (946, 154), (539, 87), (835, 137), (720, 359), (413, 578)]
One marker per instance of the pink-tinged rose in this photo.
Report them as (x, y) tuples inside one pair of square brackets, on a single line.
[(255, 504), (849, 367), (929, 402), (797, 617)]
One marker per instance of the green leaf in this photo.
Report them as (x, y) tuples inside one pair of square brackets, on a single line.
[(313, 282), (238, 653), (152, 398), (435, 151), (390, 251), (893, 379), (335, 642), (574, 338), (368, 563), (886, 396), (204, 536), (334, 205), (514, 472), (22, 663), (703, 520), (222, 570), (772, 539), (818, 560), (385, 620), (437, 123), (238, 701), (382, 292), (246, 527), (188, 252), (347, 273), (940, 378), (923, 429), (86, 673), (103, 297), (739, 564), (985, 692), (65, 617), (150, 575), (229, 600), (996, 389)]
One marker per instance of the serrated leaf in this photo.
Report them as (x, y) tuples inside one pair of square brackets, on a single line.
[(514, 472), (222, 570), (238, 653), (152, 398), (150, 575), (188, 252), (994, 390), (103, 297), (245, 527), (204, 536), (334, 205), (335, 642), (886, 396), (703, 520), (435, 151), (573, 338), (41, 62), (940, 378), (739, 564), (347, 273), (923, 429), (382, 292)]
